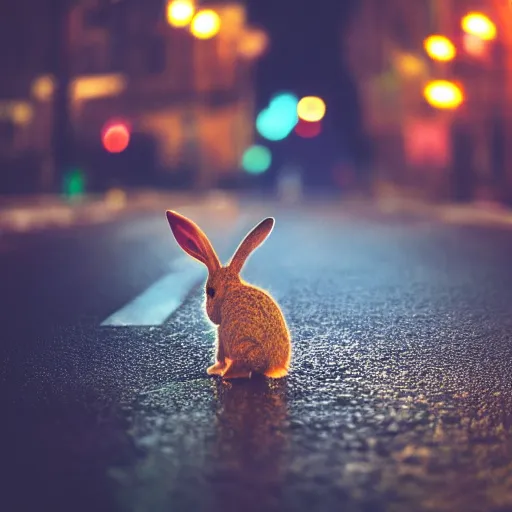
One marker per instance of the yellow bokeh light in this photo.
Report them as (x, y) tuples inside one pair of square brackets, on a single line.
[(439, 48), (43, 87), (410, 65), (477, 24), (443, 94), (180, 12), (311, 109), (18, 112), (98, 86), (205, 25)]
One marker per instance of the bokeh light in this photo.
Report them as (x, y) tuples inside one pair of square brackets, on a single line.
[(410, 65), (311, 108), (252, 44), (439, 48), (115, 199), (43, 87), (286, 101), (278, 120), (256, 160), (443, 94), (115, 137), (74, 183), (477, 24), (475, 46), (308, 130), (205, 24), (180, 12)]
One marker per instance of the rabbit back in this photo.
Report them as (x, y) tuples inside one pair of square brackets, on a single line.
[(253, 330)]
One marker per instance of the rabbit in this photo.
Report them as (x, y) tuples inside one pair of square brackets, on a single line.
[(252, 334)]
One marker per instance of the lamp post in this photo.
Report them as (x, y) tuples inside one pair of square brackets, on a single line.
[(478, 31), (202, 25)]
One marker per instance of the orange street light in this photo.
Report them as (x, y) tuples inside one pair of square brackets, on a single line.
[(478, 24), (439, 48), (180, 12), (205, 24), (443, 94), (252, 44)]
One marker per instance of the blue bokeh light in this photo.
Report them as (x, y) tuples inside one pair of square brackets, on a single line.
[(279, 119)]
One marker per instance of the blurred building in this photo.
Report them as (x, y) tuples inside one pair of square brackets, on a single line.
[(418, 149), (188, 101)]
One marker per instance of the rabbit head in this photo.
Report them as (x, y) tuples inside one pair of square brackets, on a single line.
[(221, 279)]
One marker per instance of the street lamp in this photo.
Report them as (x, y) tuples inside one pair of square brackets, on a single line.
[(180, 12), (443, 94), (205, 24), (439, 48), (477, 24)]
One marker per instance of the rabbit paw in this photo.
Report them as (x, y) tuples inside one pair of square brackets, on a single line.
[(235, 371), (276, 373), (216, 369)]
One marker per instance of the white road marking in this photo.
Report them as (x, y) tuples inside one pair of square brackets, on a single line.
[(158, 302), (161, 299)]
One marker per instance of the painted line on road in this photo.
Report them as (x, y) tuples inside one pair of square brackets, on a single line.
[(153, 306), (158, 302)]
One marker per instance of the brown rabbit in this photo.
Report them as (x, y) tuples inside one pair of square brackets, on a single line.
[(252, 335)]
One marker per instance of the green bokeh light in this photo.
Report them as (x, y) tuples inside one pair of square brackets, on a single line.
[(256, 160), (74, 183)]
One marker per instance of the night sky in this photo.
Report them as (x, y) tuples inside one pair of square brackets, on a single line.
[(306, 57)]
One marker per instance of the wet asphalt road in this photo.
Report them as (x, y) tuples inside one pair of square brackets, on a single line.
[(399, 397)]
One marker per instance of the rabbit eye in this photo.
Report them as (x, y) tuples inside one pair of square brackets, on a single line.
[(210, 292)]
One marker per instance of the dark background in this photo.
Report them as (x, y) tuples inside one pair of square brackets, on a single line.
[(306, 57)]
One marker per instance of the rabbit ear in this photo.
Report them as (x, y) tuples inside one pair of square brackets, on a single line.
[(253, 240), (192, 240)]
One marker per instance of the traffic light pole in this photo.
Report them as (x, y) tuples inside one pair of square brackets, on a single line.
[(61, 147)]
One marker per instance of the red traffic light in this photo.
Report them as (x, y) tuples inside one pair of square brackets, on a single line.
[(115, 136), (308, 130)]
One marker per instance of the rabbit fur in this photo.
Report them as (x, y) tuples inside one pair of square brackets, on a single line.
[(252, 335)]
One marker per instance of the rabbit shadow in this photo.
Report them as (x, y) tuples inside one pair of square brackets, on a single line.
[(251, 443)]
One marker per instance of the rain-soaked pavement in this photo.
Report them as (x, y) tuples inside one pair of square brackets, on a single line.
[(399, 397)]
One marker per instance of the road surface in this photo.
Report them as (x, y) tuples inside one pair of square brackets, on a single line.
[(399, 396)]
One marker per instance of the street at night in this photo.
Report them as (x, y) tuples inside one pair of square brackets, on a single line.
[(399, 396), (352, 158)]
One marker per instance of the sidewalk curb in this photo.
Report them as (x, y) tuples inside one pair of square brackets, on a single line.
[(471, 213), (45, 212)]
